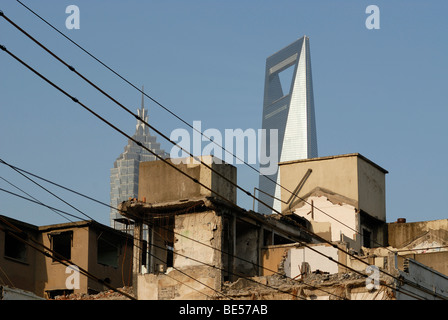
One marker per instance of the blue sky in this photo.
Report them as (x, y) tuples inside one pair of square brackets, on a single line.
[(381, 93)]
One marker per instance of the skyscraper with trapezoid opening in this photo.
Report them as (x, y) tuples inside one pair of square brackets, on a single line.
[(288, 106)]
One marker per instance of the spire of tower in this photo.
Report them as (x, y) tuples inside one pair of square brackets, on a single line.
[(143, 114), (143, 97)]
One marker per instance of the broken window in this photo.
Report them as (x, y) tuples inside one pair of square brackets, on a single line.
[(278, 239), (14, 248), (246, 248), (52, 294), (107, 251), (161, 245), (267, 237), (61, 244), (366, 238), (145, 254), (169, 253)]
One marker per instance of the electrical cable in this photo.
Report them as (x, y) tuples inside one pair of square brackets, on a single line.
[(179, 170), (71, 68), (54, 195), (56, 256), (242, 276), (126, 109), (54, 209), (11, 184), (182, 120), (138, 118), (169, 230), (163, 248), (143, 121), (51, 208), (39, 202), (64, 212)]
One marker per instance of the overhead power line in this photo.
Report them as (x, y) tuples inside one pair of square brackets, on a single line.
[(166, 109), (74, 99), (159, 226), (126, 109), (207, 264), (56, 256), (143, 121), (34, 200), (141, 145)]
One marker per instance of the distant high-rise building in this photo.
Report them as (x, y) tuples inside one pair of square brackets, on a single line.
[(124, 174), (288, 106)]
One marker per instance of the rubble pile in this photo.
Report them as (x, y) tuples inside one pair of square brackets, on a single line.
[(281, 287), (105, 295)]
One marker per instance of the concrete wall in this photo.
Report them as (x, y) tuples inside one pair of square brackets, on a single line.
[(435, 260), (372, 189), (192, 275), (20, 274), (247, 244), (401, 234), (159, 182), (290, 257), (351, 176), (203, 227), (54, 273), (120, 273), (196, 283), (39, 273), (338, 218), (315, 260), (435, 283), (272, 257), (336, 174)]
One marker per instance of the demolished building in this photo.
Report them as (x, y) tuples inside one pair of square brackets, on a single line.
[(204, 247), (197, 241), (41, 259)]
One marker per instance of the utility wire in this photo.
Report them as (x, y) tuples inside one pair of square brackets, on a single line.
[(182, 172), (54, 195), (143, 121), (75, 100), (179, 254), (183, 121), (13, 185), (56, 256), (141, 145), (162, 227), (64, 212), (239, 275), (39, 203), (136, 116), (353, 270)]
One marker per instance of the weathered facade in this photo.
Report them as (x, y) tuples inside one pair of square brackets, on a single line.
[(102, 251), (343, 197), (198, 240), (204, 247), (424, 241)]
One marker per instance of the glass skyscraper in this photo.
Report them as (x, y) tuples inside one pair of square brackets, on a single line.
[(288, 106), (124, 174)]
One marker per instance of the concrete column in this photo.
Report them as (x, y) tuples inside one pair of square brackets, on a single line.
[(137, 258), (259, 246), (232, 247)]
